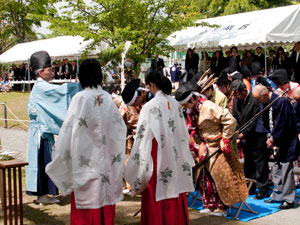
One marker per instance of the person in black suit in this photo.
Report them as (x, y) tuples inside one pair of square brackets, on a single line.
[(59, 71), (157, 63), (260, 57), (73, 70), (295, 61), (217, 63), (253, 143), (66, 68)]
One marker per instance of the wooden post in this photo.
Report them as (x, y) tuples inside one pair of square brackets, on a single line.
[(5, 114), (10, 194)]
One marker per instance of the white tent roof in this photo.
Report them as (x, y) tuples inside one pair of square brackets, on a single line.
[(245, 30), (58, 47)]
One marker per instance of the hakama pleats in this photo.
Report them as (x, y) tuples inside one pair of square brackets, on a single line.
[(172, 211), (102, 216)]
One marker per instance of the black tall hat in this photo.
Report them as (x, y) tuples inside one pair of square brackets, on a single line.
[(129, 93), (255, 68), (237, 76), (40, 60), (223, 78), (245, 71), (184, 92), (280, 77)]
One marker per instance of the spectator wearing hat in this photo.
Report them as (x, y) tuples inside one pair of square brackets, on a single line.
[(282, 82), (253, 143), (280, 123), (47, 108), (295, 61)]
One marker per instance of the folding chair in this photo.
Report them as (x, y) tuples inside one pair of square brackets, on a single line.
[(240, 207)]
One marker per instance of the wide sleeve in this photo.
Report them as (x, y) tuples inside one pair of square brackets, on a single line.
[(228, 123), (60, 168), (53, 102), (140, 164)]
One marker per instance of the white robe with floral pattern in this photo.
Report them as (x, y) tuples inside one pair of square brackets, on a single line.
[(162, 119), (89, 154)]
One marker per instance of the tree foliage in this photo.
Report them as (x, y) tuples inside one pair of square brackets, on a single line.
[(146, 23), (17, 19), (213, 8)]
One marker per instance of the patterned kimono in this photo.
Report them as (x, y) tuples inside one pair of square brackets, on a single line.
[(160, 164), (209, 123), (89, 160)]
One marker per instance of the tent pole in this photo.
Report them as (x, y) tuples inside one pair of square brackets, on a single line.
[(266, 69), (77, 68), (28, 68)]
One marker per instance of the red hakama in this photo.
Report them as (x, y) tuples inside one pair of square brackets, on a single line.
[(172, 211), (102, 216)]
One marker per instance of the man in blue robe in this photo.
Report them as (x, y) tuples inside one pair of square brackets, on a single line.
[(280, 122), (47, 107)]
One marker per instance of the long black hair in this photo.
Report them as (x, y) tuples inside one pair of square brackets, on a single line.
[(90, 73), (162, 82)]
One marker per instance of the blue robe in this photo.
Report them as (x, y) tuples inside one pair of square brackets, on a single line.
[(253, 84), (175, 73), (296, 106), (47, 108), (284, 132)]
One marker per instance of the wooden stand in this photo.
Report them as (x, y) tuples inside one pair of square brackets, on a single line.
[(12, 190)]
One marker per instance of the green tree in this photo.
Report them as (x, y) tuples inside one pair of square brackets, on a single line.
[(18, 17), (213, 8), (146, 23)]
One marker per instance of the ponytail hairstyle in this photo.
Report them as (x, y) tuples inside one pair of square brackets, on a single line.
[(161, 82)]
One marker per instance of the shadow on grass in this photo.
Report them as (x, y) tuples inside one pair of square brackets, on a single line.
[(64, 200), (38, 216)]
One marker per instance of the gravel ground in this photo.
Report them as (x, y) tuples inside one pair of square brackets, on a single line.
[(15, 141)]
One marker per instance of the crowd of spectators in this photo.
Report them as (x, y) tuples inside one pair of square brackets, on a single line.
[(61, 69), (276, 59)]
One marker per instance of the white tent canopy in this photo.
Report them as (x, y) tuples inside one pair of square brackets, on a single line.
[(58, 47), (245, 30)]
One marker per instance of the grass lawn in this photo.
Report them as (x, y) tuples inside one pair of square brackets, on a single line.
[(17, 102)]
